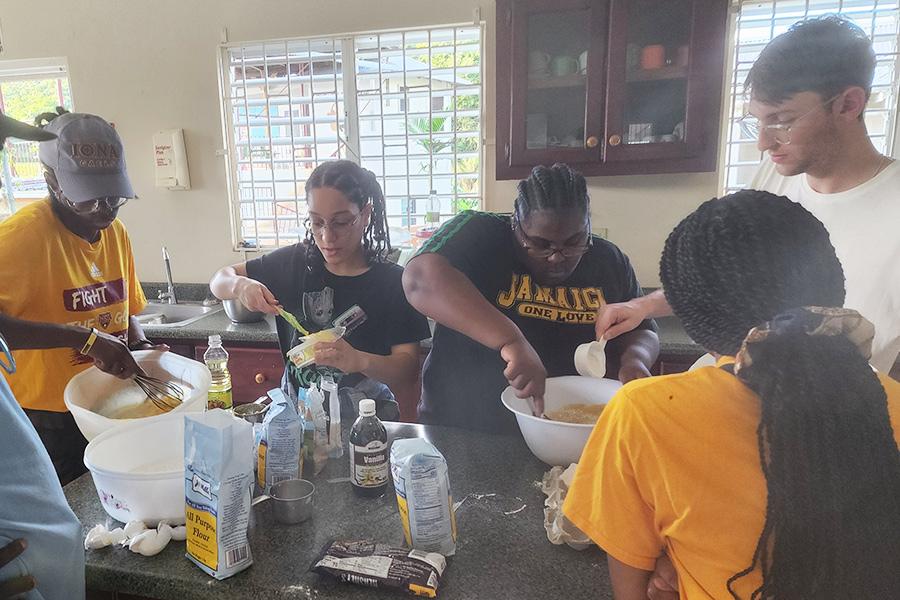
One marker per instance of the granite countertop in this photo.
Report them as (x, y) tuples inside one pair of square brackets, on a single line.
[(673, 340), (218, 323), (502, 552)]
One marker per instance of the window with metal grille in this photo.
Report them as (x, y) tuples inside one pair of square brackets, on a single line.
[(760, 21), (27, 89), (405, 105)]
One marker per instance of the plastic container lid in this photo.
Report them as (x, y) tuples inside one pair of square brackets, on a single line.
[(366, 408)]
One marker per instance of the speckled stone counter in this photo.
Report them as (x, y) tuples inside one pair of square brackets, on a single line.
[(674, 341), (672, 338), (502, 551), (218, 323)]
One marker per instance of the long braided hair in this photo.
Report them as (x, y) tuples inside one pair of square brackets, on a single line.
[(826, 446), (559, 187), (361, 188)]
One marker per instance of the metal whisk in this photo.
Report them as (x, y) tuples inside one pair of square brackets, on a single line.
[(164, 394)]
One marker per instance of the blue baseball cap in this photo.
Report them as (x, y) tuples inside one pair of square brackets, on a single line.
[(87, 157)]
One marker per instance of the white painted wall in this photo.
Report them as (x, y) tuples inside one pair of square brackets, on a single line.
[(152, 65)]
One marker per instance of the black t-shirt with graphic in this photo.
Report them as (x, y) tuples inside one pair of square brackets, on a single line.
[(316, 297), (462, 380)]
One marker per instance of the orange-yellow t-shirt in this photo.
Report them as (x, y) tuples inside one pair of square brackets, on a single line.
[(49, 274), (673, 465)]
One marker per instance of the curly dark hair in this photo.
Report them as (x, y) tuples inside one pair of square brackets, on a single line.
[(559, 187), (826, 445), (360, 186), (825, 55)]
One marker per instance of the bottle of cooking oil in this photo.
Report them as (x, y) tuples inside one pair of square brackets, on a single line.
[(216, 359)]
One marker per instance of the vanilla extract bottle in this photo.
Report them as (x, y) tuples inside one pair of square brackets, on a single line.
[(369, 465)]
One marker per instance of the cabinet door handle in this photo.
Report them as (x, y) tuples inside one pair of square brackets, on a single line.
[(259, 378), (592, 142), (615, 140)]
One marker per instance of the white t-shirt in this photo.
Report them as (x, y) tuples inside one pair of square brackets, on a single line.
[(864, 226)]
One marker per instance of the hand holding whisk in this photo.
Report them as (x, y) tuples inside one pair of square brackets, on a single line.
[(165, 395)]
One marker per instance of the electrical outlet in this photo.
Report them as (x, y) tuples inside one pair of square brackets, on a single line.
[(602, 232)]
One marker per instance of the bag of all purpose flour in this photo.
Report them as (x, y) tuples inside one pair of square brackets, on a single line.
[(423, 496), (218, 473), (279, 444)]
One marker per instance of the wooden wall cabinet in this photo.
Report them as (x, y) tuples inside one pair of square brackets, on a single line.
[(611, 87)]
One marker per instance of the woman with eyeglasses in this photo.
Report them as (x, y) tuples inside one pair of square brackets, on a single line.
[(339, 275), (514, 297), (68, 287)]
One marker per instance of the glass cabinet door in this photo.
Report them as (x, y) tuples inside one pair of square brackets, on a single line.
[(651, 92), (557, 78)]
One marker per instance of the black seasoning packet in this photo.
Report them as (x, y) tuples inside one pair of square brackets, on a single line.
[(381, 566)]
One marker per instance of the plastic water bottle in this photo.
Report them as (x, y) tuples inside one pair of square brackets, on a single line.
[(433, 210), (330, 389), (216, 359)]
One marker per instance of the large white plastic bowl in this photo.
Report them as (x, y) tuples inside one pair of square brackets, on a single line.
[(91, 390), (554, 442), (138, 469)]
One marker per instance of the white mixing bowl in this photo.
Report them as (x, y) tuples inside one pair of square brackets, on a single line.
[(138, 469), (92, 391), (554, 442)]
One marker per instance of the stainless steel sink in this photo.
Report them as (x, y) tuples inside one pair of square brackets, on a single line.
[(174, 315)]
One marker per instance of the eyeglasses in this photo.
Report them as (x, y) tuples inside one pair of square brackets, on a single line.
[(541, 249), (339, 227), (780, 132), (92, 206)]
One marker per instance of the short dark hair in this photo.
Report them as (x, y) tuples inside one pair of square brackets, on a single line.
[(825, 55)]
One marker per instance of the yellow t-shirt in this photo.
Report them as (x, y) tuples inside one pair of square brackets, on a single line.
[(49, 274), (673, 465)]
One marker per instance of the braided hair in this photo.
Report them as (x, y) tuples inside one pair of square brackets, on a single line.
[(360, 187), (555, 188), (826, 445)]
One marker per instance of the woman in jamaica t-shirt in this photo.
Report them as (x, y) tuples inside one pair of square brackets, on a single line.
[(339, 269), (513, 298)]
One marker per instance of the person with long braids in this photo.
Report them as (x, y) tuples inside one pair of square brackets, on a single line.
[(341, 268), (514, 296), (776, 473)]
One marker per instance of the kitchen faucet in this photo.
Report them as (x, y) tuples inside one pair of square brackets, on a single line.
[(168, 297)]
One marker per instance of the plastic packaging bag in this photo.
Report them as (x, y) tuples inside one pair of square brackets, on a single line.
[(422, 485), (218, 471), (280, 443), (561, 530)]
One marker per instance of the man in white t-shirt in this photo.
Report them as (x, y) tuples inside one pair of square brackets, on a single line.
[(808, 91)]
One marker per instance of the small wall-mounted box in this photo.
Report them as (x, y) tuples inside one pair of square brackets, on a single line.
[(171, 160)]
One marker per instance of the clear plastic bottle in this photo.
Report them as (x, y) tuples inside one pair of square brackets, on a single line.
[(433, 210), (369, 466), (216, 359)]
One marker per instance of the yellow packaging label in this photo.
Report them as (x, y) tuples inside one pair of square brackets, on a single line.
[(261, 464), (216, 399), (452, 517), (419, 590), (404, 518), (201, 535)]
